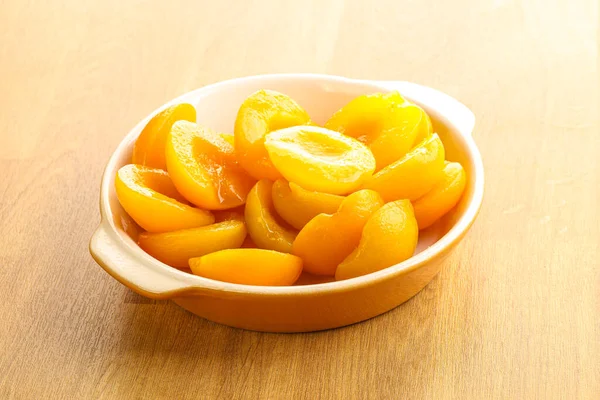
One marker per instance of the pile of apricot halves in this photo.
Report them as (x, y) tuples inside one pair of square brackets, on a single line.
[(283, 195)]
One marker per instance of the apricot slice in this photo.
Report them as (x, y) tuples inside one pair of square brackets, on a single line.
[(249, 267), (204, 169), (261, 113), (425, 129), (389, 237), (177, 247), (263, 223), (327, 239), (228, 137), (297, 206), (386, 123), (442, 197), (150, 198), (320, 159), (413, 175), (236, 214), (149, 148)]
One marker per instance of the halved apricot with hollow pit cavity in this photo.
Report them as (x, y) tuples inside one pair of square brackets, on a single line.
[(204, 168), (296, 205), (385, 122), (320, 159), (263, 224), (249, 267), (150, 198), (389, 237), (413, 175), (149, 148), (261, 113), (177, 247), (327, 239), (442, 197)]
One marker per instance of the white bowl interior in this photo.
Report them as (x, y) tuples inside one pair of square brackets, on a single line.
[(217, 106)]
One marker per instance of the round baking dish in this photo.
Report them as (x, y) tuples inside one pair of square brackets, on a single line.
[(299, 308)]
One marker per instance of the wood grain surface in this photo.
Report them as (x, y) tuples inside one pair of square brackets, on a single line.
[(515, 313)]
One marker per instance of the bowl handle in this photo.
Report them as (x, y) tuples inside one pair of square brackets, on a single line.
[(460, 115), (110, 253)]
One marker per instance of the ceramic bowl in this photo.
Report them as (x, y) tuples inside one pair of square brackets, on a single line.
[(309, 306)]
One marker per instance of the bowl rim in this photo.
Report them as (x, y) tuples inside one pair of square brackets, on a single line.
[(193, 283)]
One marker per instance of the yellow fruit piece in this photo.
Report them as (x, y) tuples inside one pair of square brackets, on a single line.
[(320, 159), (204, 169), (228, 137), (149, 148), (442, 197), (297, 206), (150, 198), (249, 267), (424, 130), (261, 113), (263, 224), (177, 247), (413, 175), (234, 214), (327, 239), (389, 237), (385, 122)]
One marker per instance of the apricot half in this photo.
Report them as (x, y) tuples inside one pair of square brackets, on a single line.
[(263, 223), (389, 237), (327, 239), (297, 206), (425, 129), (442, 197), (249, 267), (150, 198), (177, 247), (204, 168), (413, 175), (387, 123), (149, 148), (320, 159), (261, 113)]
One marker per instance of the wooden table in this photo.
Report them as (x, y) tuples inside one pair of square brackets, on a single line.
[(515, 314)]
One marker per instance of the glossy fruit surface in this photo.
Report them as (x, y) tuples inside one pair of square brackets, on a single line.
[(261, 113), (320, 159), (264, 226), (296, 205), (150, 198), (442, 197), (413, 175), (385, 122), (327, 239), (177, 247), (249, 267), (389, 237), (149, 148), (204, 168)]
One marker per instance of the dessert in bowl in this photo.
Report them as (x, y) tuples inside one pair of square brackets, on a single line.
[(313, 302)]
